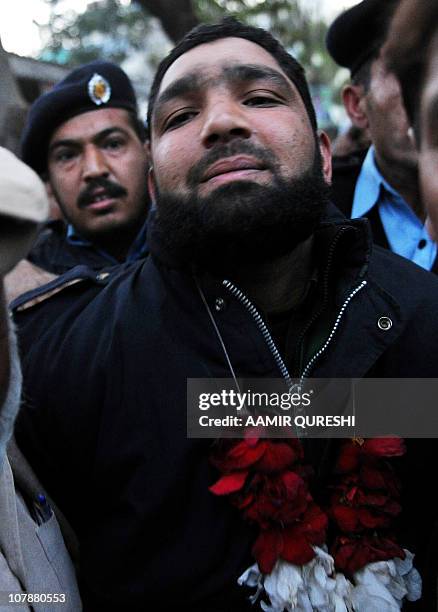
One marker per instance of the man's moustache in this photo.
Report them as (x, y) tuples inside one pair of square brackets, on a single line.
[(112, 190), (235, 147)]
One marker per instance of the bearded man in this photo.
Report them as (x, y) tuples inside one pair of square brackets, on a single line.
[(253, 274)]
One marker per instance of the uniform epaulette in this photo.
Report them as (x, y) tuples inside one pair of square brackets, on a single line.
[(80, 274)]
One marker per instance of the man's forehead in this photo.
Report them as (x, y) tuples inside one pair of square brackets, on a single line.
[(211, 58), (91, 122)]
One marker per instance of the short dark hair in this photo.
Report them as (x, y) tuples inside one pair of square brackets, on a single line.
[(407, 48), (230, 27)]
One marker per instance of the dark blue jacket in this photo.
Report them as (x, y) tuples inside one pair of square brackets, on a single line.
[(106, 358), (55, 252)]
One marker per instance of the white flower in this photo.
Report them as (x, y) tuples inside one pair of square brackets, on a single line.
[(385, 584), (370, 592), (317, 587), (286, 589), (301, 588), (411, 577), (341, 596), (252, 578)]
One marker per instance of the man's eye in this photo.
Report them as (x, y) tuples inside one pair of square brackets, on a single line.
[(63, 156), (176, 120), (263, 101), (113, 144)]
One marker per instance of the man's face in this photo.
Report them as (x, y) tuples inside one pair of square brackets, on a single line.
[(387, 119), (97, 169), (428, 158), (225, 132)]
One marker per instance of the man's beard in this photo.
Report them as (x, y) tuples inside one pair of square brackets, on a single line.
[(242, 222)]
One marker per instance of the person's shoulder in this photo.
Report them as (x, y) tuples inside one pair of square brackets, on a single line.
[(25, 277), (78, 279), (402, 278), (71, 292), (82, 303)]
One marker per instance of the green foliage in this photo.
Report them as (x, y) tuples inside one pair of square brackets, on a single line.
[(114, 28), (108, 30), (295, 23)]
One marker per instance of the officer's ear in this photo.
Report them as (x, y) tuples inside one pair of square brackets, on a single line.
[(48, 187), (55, 211), (53, 200), (353, 97)]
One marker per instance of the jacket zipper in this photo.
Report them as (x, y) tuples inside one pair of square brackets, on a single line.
[(244, 300), (318, 354), (249, 306), (320, 310)]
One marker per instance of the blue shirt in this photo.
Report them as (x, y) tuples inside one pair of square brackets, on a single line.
[(138, 249), (405, 232)]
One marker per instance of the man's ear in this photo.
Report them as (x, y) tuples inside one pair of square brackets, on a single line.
[(55, 211), (49, 189), (326, 155), (353, 97)]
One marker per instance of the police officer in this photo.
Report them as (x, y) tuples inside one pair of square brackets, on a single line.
[(85, 140), (380, 183)]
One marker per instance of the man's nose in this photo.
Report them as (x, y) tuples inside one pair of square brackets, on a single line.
[(225, 121), (94, 163)]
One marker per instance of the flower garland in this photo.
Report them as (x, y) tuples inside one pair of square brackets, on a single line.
[(364, 568)]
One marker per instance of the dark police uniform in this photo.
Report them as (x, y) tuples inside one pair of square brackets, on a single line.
[(355, 37), (346, 170), (55, 252)]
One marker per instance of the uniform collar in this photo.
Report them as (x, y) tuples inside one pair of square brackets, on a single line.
[(138, 249), (369, 186)]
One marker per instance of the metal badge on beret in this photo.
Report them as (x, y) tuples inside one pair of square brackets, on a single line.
[(99, 89)]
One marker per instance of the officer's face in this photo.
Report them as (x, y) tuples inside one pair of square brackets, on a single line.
[(387, 119), (428, 159), (98, 173), (229, 95)]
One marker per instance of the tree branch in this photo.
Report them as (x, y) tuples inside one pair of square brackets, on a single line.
[(177, 17)]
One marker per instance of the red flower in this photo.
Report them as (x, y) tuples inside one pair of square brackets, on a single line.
[(280, 455), (352, 554), (354, 509), (229, 456), (384, 447), (293, 543), (277, 498), (375, 476), (263, 455), (231, 483), (352, 453), (266, 480), (348, 460)]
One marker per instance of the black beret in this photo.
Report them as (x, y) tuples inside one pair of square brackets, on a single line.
[(90, 87), (358, 33)]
